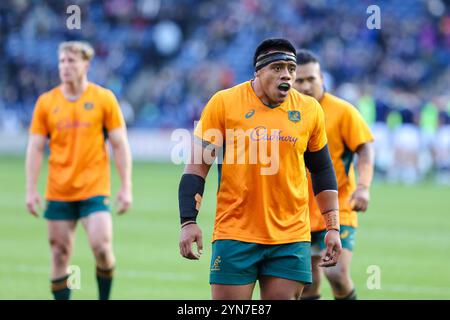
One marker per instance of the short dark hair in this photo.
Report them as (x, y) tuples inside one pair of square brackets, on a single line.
[(273, 44), (305, 57)]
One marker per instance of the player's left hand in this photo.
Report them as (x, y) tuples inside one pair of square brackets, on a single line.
[(124, 200), (334, 248), (360, 199)]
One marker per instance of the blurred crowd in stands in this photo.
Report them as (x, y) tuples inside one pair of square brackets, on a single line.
[(165, 58)]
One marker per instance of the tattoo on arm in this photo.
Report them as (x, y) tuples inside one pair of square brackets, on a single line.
[(332, 219)]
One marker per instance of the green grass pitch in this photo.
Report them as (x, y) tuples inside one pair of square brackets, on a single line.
[(406, 233)]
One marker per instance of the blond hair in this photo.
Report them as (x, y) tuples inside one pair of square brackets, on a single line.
[(83, 48)]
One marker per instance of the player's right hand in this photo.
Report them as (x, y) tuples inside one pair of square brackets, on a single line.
[(189, 234), (33, 200)]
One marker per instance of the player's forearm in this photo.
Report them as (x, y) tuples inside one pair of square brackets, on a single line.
[(325, 185), (365, 164), (328, 204), (192, 186), (122, 157), (33, 164)]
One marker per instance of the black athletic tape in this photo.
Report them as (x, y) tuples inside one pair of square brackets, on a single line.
[(321, 168), (267, 59), (190, 185)]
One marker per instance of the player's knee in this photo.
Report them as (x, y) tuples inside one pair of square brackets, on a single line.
[(334, 273), (338, 277), (102, 252), (60, 252), (311, 290)]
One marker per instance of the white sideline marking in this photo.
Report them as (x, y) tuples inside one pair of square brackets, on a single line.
[(134, 274)]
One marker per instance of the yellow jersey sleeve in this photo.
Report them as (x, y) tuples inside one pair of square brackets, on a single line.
[(211, 127), (113, 118), (38, 122), (318, 138), (354, 129)]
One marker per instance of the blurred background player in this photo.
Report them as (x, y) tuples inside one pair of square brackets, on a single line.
[(441, 147), (77, 117), (406, 150), (347, 134), (262, 229)]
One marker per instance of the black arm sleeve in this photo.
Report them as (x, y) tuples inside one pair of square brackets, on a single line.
[(321, 168), (190, 186)]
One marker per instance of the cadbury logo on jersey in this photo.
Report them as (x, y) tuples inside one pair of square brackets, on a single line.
[(261, 133), (88, 106), (71, 124)]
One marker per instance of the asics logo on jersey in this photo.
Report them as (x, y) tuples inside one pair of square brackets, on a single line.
[(250, 114)]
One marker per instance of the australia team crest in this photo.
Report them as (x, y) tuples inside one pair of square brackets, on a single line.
[(294, 115), (88, 105)]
